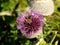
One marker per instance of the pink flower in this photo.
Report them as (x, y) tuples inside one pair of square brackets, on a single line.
[(30, 24)]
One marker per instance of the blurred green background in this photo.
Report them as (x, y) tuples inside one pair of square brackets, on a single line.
[(9, 35)]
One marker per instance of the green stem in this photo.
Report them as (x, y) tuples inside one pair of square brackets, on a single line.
[(53, 38), (3, 18)]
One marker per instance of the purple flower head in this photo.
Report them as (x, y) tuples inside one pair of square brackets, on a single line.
[(30, 24)]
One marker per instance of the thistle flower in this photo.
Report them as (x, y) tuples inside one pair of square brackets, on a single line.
[(46, 7), (30, 24)]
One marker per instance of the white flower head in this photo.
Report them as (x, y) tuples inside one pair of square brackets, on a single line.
[(46, 7)]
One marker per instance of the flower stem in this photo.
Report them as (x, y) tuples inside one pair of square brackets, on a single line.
[(53, 38)]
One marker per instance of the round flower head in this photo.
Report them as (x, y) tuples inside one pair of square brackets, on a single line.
[(46, 7), (30, 24)]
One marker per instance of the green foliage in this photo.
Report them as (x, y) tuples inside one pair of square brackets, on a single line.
[(9, 35), (8, 5)]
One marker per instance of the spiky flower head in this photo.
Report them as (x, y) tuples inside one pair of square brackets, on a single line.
[(30, 24)]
